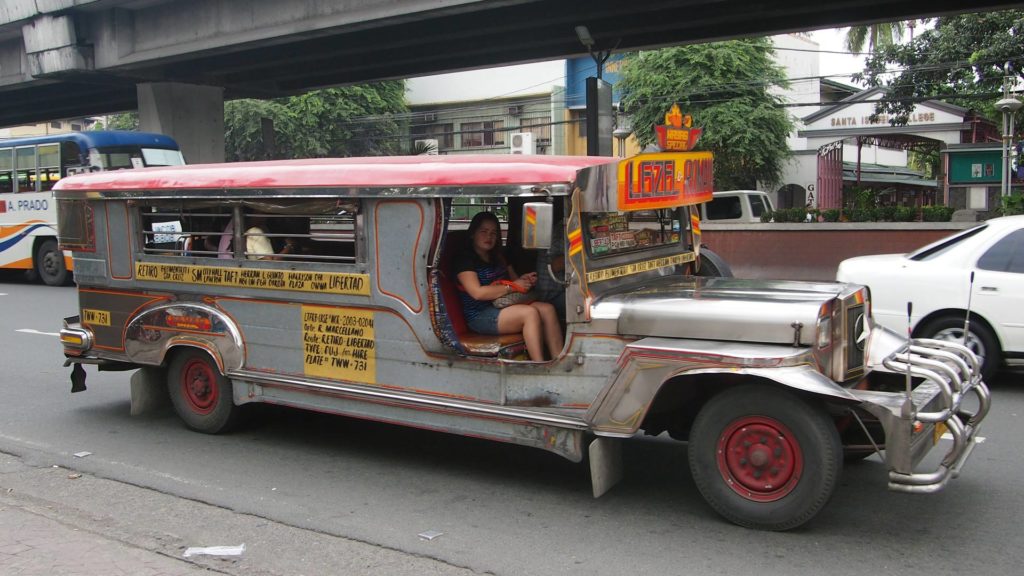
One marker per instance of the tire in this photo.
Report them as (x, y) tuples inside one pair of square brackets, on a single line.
[(49, 264), (713, 266), (743, 434), (201, 395), (980, 340)]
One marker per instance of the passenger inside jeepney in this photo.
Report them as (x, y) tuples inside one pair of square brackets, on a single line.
[(258, 245), (484, 276)]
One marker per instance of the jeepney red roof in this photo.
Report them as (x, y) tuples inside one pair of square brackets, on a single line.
[(371, 172)]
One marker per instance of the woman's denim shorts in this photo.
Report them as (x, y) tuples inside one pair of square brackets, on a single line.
[(485, 322)]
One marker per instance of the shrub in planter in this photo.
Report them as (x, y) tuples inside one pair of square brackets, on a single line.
[(861, 215), (767, 216), (937, 213), (798, 214), (885, 213), (831, 215), (905, 214)]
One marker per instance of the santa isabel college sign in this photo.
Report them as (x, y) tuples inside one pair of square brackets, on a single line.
[(915, 118)]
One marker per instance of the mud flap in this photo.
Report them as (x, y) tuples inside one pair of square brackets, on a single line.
[(77, 378), (148, 391), (605, 464)]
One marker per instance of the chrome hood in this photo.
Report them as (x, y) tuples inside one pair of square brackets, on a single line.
[(731, 309)]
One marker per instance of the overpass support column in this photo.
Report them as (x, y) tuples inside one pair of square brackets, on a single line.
[(191, 114)]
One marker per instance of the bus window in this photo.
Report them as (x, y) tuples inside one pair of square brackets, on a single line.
[(70, 155), (49, 165), (162, 157), (6, 169), (25, 168)]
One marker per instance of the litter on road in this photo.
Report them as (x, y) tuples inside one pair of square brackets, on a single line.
[(215, 551)]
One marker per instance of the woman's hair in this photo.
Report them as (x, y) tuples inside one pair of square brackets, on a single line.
[(475, 224)]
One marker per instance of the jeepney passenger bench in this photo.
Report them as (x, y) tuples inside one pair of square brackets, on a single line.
[(447, 312)]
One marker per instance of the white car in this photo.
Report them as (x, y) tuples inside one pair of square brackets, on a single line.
[(937, 279)]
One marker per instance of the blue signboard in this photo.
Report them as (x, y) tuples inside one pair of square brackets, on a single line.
[(577, 70)]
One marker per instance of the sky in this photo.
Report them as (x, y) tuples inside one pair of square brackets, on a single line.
[(527, 79), (833, 39)]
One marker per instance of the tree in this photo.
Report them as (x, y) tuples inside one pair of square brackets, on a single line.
[(876, 36), (726, 87), (122, 121), (350, 121), (962, 60)]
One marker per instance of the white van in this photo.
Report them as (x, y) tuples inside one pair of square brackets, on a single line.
[(739, 206)]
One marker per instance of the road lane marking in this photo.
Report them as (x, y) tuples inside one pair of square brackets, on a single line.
[(978, 439), (31, 331)]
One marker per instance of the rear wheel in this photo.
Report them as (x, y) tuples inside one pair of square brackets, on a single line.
[(49, 264), (980, 340), (201, 395), (764, 458)]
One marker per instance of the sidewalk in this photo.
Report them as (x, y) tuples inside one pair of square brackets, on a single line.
[(59, 521), (34, 545)]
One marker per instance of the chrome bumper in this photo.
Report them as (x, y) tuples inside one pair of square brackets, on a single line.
[(947, 373)]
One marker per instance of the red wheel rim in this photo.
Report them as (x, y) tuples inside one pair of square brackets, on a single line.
[(199, 385), (759, 458)]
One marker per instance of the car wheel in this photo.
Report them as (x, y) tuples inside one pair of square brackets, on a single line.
[(201, 395), (980, 340), (764, 458), (50, 264)]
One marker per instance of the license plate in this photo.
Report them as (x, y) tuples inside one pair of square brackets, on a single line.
[(940, 429)]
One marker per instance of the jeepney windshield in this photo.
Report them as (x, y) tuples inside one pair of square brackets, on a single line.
[(612, 233)]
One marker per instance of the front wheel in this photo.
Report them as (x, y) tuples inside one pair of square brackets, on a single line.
[(49, 264), (201, 395), (713, 266), (764, 458), (980, 340)]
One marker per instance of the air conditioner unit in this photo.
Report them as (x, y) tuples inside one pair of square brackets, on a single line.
[(430, 144), (522, 143), (514, 110), (429, 117)]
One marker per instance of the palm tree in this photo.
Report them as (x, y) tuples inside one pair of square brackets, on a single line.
[(876, 36)]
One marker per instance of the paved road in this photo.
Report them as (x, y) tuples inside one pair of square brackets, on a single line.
[(503, 509)]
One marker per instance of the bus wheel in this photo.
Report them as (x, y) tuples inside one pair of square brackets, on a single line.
[(50, 264), (764, 458), (201, 395)]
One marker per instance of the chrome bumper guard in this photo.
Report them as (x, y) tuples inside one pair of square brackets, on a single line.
[(73, 337), (950, 373)]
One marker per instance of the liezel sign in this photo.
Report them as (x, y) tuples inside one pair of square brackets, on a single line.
[(675, 177), (665, 180)]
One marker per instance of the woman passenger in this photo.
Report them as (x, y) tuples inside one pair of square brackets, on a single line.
[(478, 267)]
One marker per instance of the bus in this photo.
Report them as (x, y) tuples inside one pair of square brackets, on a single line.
[(29, 168)]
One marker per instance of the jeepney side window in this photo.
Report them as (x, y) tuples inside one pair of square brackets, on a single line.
[(76, 225), (611, 233), (314, 230)]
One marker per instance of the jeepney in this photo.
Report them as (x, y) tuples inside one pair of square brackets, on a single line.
[(771, 383)]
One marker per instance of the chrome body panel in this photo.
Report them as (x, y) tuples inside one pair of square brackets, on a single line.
[(728, 309), (648, 364), (156, 330)]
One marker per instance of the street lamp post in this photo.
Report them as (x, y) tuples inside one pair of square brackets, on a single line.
[(622, 131), (1008, 106)]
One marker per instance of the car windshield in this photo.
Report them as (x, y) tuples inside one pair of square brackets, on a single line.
[(935, 248)]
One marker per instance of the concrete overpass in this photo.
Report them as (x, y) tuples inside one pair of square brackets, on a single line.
[(176, 60)]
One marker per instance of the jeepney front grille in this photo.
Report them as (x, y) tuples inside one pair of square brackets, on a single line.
[(854, 325)]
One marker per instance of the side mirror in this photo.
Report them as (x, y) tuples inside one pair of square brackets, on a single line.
[(537, 225)]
